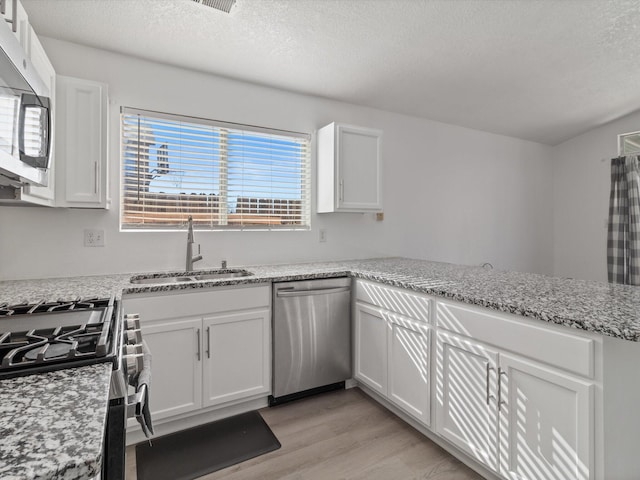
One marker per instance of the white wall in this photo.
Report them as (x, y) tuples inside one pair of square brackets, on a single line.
[(450, 193), (582, 179)]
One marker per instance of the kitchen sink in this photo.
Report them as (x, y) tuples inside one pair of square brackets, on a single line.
[(180, 278), (227, 274), (162, 280)]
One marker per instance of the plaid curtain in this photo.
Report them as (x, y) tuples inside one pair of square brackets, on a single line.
[(623, 239)]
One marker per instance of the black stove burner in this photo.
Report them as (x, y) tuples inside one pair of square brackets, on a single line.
[(44, 307), (45, 336), (53, 350)]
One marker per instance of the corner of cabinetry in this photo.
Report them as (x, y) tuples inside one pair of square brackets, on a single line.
[(325, 160)]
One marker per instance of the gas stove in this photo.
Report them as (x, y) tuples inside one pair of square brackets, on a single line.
[(44, 336)]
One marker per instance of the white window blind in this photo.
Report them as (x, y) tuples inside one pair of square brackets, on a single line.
[(629, 143), (226, 176)]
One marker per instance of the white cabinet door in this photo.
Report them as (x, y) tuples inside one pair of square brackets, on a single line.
[(466, 409), (358, 168), (176, 366), (237, 356), (81, 143), (371, 347), (349, 169), (18, 21), (409, 385), (546, 425)]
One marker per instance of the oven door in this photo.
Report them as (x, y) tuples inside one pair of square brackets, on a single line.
[(133, 373), (114, 441)]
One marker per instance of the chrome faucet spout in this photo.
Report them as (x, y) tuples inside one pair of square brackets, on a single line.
[(191, 259)]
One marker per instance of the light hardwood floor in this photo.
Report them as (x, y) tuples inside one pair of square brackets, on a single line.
[(341, 435)]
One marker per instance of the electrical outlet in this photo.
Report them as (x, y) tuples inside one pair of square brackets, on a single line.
[(323, 235), (93, 237)]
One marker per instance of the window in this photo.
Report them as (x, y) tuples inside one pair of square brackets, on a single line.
[(226, 176), (629, 143)]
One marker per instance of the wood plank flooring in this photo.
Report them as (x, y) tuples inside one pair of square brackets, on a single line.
[(341, 435)]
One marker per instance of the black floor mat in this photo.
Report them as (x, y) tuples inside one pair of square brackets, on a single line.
[(206, 448)]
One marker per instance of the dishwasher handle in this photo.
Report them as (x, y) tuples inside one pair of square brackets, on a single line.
[(291, 292)]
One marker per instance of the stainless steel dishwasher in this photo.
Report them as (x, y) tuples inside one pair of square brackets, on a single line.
[(311, 337)]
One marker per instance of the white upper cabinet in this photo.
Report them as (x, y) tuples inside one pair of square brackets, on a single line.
[(81, 143), (16, 16), (349, 169)]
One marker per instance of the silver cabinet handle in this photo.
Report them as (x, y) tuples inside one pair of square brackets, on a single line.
[(208, 342), (14, 15), (316, 291), (489, 368), (95, 171), (500, 374), (198, 335), (342, 190), (3, 6)]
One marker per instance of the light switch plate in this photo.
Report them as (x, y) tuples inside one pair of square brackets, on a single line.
[(93, 237)]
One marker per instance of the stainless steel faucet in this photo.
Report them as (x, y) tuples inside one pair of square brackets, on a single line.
[(190, 258)]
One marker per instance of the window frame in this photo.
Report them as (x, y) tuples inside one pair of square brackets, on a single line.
[(305, 174), (621, 138)]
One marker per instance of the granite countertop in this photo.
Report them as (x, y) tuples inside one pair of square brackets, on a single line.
[(52, 424), (608, 309), (66, 441)]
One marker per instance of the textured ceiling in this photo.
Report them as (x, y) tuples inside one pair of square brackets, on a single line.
[(543, 70)]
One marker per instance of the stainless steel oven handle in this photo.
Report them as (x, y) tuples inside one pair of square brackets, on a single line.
[(136, 401), (316, 291)]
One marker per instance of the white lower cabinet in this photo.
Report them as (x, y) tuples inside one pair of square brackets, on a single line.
[(236, 356), (519, 418), (209, 349), (176, 369), (466, 413), (409, 367), (392, 358), (546, 423), (371, 348)]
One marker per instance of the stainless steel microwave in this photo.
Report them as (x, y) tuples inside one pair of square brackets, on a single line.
[(25, 117)]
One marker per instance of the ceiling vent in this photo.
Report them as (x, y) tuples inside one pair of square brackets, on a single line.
[(222, 5)]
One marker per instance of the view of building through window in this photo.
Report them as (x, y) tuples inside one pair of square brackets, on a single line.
[(224, 177)]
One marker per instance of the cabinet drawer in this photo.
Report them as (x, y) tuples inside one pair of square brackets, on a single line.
[(409, 304), (545, 343), (185, 303)]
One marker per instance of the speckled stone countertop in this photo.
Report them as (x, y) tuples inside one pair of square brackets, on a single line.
[(76, 398), (52, 424), (612, 310)]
